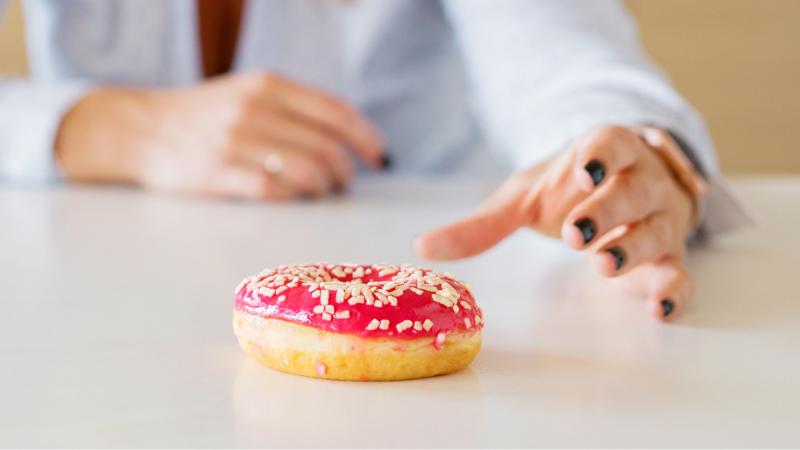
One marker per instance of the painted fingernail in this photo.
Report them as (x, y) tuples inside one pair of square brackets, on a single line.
[(596, 170), (619, 255), (588, 229), (386, 161), (668, 305)]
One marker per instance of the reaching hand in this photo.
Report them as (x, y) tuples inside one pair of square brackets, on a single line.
[(242, 135), (610, 194)]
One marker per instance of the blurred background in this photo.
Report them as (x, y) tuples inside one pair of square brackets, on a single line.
[(737, 61)]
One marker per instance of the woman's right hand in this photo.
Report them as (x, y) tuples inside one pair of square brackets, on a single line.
[(257, 136)]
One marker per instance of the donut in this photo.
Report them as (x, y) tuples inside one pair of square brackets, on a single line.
[(355, 322)]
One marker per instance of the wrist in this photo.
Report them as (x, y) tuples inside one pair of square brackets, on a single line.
[(100, 139)]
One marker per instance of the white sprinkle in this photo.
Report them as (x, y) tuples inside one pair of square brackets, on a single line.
[(281, 298), (316, 294), (416, 291), (367, 295), (241, 285), (292, 285), (342, 314), (378, 304), (326, 316), (368, 271), (382, 297), (439, 299), (426, 287), (319, 309), (404, 325), (397, 292), (427, 325), (348, 270), (392, 300), (280, 289), (465, 305), (455, 309), (323, 298), (417, 326), (477, 319), (384, 324), (467, 323), (356, 300), (313, 287), (266, 291), (339, 296), (440, 338), (329, 309), (358, 273), (373, 325), (389, 286), (339, 273)]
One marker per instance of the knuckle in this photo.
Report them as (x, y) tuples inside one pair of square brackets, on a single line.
[(245, 111), (264, 81), (613, 133), (640, 193)]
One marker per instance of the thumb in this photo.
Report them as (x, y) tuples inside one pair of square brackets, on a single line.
[(495, 219)]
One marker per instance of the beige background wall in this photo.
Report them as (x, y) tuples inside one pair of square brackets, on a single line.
[(738, 62)]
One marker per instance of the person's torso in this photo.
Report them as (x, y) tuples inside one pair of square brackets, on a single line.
[(394, 59)]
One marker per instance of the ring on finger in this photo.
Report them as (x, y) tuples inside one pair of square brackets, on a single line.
[(273, 163)]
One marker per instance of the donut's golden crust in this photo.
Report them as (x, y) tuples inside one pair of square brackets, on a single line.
[(297, 349)]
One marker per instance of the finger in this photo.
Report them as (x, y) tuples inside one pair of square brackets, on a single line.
[(603, 153), (669, 287), (331, 113), (495, 219), (291, 133), (649, 240), (247, 183), (302, 173), (627, 197)]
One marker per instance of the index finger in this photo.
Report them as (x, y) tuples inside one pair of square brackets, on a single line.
[(495, 219), (332, 114)]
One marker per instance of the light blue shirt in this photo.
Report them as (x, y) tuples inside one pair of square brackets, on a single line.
[(443, 80)]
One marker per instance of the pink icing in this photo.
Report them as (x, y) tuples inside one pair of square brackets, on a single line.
[(299, 303)]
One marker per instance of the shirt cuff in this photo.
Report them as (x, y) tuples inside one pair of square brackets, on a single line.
[(30, 115), (725, 209)]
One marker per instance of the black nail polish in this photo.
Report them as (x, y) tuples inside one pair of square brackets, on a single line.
[(588, 229), (596, 170), (668, 305), (619, 255), (386, 161)]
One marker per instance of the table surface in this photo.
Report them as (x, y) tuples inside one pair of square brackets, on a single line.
[(115, 329)]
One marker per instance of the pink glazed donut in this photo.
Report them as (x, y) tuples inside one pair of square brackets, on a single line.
[(354, 322)]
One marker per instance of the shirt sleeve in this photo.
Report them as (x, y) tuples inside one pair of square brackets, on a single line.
[(545, 72), (30, 114)]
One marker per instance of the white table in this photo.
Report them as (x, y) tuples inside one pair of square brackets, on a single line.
[(115, 330)]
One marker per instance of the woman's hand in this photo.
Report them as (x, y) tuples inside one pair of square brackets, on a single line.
[(255, 136), (610, 194)]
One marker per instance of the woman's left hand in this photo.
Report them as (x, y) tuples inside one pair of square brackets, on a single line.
[(609, 194)]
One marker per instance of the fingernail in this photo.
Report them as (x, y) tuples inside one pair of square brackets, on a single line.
[(596, 170), (386, 161), (588, 229), (618, 254), (668, 305)]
